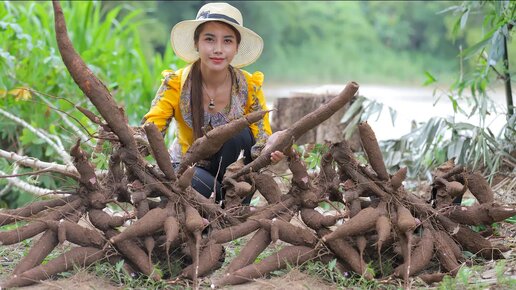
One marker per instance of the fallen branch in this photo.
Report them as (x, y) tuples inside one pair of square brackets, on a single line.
[(25, 186), (43, 135), (67, 170)]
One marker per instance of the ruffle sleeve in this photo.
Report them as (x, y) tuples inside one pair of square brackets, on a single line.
[(256, 102), (165, 102)]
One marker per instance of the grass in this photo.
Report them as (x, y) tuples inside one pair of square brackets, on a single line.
[(483, 274), (118, 276), (487, 275), (493, 275), (330, 273)]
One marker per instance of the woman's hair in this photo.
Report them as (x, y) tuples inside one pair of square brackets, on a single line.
[(196, 106)]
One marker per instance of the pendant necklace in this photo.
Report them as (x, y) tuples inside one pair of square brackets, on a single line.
[(211, 104)]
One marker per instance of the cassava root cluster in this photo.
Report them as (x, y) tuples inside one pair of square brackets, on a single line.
[(169, 216)]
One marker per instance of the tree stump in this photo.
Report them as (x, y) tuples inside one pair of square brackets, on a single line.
[(299, 104)]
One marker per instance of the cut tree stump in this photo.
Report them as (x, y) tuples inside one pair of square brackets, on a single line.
[(298, 104)]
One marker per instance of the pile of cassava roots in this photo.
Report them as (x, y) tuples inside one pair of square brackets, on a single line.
[(169, 220)]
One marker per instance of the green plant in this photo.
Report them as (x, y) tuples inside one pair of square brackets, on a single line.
[(433, 142), (117, 275), (474, 277), (36, 88), (502, 278), (311, 154), (330, 273), (511, 220), (488, 57), (363, 109)]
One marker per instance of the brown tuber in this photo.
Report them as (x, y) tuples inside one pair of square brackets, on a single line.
[(364, 221), (147, 225)]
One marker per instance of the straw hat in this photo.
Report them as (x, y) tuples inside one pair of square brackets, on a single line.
[(182, 34)]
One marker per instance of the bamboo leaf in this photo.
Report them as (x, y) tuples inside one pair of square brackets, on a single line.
[(430, 79), (497, 48), (467, 53), (393, 114), (355, 108), (464, 19)]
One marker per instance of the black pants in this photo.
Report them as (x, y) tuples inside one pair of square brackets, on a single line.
[(204, 178)]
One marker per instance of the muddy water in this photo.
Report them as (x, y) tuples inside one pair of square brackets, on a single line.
[(411, 104)]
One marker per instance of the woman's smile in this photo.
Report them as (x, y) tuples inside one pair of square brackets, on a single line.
[(217, 60)]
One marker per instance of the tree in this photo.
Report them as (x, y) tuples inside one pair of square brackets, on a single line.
[(490, 55), (483, 63)]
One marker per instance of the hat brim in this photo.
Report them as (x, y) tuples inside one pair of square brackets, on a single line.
[(182, 40)]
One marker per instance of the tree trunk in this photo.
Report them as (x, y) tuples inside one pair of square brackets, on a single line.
[(291, 109)]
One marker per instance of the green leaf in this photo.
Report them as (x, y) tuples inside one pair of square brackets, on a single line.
[(464, 19), (119, 265), (454, 103), (430, 79), (332, 264), (467, 53), (497, 48), (511, 220), (355, 107)]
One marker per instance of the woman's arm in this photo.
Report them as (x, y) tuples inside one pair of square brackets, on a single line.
[(162, 107)]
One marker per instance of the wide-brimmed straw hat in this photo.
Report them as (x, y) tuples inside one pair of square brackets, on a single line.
[(182, 34)]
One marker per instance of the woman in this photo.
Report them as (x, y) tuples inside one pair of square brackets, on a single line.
[(212, 91)]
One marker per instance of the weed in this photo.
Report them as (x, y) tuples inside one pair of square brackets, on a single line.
[(502, 279), (329, 272), (117, 275)]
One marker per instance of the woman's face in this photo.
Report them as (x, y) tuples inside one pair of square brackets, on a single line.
[(217, 46)]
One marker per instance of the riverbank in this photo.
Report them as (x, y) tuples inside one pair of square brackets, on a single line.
[(412, 104)]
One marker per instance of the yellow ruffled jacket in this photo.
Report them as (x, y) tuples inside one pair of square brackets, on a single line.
[(166, 106)]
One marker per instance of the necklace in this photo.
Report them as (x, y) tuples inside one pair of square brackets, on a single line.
[(211, 104)]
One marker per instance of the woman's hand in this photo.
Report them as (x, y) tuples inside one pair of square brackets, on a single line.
[(276, 156)]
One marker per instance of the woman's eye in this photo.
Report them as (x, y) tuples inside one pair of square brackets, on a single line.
[(229, 41), (208, 39)]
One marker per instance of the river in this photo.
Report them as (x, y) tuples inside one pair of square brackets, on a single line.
[(411, 104)]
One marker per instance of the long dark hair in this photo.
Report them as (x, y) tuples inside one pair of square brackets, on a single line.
[(196, 106)]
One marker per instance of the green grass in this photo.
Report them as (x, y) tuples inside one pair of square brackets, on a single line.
[(118, 276), (330, 273), (471, 278)]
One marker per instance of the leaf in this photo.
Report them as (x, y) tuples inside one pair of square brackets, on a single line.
[(373, 108), (454, 103), (511, 220), (7, 58), (497, 48), (451, 8), (467, 53), (393, 114), (332, 264), (20, 94), (119, 265), (463, 126), (324, 205), (464, 19), (355, 107), (430, 79)]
